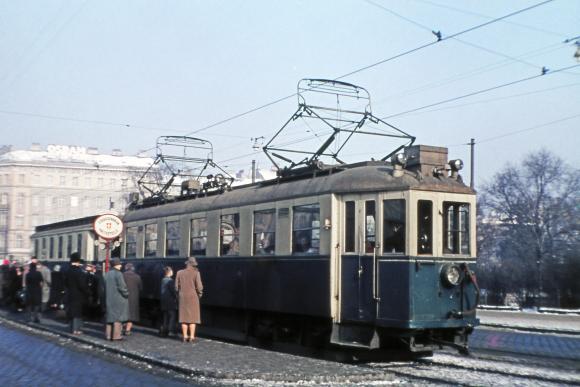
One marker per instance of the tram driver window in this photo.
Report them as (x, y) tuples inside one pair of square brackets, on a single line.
[(306, 229), (394, 223), (455, 228), (425, 227), (264, 232), (230, 234)]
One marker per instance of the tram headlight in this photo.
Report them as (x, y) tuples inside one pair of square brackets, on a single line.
[(451, 275)]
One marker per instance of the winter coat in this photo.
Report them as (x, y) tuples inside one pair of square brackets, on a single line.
[(76, 290), (57, 288), (116, 295), (189, 287), (135, 286), (168, 294), (33, 288), (46, 282)]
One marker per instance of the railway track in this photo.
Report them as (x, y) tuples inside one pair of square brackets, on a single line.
[(484, 369)]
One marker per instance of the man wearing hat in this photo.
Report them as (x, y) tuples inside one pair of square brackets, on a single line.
[(117, 304), (190, 288), (77, 291)]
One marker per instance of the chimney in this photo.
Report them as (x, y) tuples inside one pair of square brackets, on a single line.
[(117, 152), (93, 151), (424, 158), (35, 147)]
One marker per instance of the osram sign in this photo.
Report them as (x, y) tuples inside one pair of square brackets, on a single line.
[(108, 226)]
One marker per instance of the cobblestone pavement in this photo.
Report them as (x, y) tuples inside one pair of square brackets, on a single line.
[(537, 344), (27, 360)]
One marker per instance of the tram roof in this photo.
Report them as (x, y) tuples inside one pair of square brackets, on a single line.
[(361, 178)]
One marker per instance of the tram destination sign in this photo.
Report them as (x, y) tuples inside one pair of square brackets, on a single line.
[(108, 226)]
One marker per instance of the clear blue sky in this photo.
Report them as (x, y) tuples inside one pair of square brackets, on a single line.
[(172, 67)]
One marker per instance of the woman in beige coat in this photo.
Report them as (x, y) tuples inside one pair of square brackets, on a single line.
[(189, 287)]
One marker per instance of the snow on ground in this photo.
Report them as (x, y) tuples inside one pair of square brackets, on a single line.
[(530, 320)]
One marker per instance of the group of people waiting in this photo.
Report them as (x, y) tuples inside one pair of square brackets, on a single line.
[(116, 294)]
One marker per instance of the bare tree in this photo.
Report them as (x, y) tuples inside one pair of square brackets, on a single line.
[(532, 211)]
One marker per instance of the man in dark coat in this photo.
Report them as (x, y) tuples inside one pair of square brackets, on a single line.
[(116, 295), (77, 291), (57, 288), (33, 282), (135, 286), (168, 303)]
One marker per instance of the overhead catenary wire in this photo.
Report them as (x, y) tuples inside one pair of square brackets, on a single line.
[(239, 115)]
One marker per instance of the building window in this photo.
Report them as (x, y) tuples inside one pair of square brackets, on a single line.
[(20, 221), (100, 182), (349, 227), (198, 236), (20, 202), (306, 229), (35, 201), (112, 183), (456, 228), (49, 180), (151, 240), (131, 242), (74, 201), (172, 235), (4, 199), (22, 178), (425, 227), (2, 243), (3, 219), (87, 182), (394, 215), (75, 181), (264, 232), (62, 181), (60, 247), (230, 234), (19, 241)]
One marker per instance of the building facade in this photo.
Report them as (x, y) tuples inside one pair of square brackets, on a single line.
[(52, 184)]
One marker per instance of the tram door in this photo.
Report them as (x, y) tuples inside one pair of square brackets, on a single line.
[(359, 241)]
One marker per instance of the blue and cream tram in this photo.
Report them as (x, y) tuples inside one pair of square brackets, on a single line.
[(368, 255)]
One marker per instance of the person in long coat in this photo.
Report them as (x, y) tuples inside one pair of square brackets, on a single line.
[(190, 289), (116, 296), (135, 286), (77, 293), (33, 283), (168, 303), (46, 283)]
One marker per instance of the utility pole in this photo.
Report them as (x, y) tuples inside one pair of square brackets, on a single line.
[(253, 171), (472, 166)]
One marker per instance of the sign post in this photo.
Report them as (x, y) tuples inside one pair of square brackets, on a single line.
[(108, 227)]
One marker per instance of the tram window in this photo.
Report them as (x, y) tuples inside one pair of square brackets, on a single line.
[(79, 243), (370, 226), (198, 236), (172, 239), (456, 228), (394, 215), (264, 232), (131, 242), (60, 246), (36, 249), (69, 245), (51, 251), (306, 229), (230, 234), (349, 227), (151, 240), (44, 255), (425, 227)]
